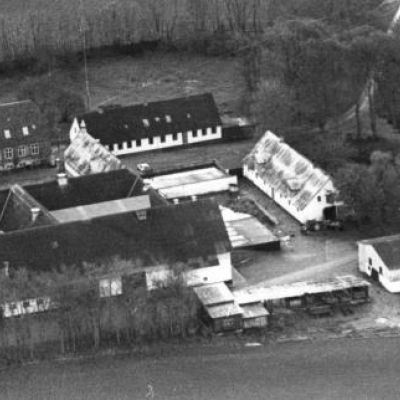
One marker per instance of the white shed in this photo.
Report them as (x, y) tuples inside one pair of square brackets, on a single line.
[(379, 258)]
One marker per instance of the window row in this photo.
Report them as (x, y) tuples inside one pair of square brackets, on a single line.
[(25, 131), (22, 151)]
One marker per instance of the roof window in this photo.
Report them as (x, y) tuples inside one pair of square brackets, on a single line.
[(157, 119), (25, 130), (188, 115), (168, 118), (33, 126), (126, 126), (7, 134), (146, 122)]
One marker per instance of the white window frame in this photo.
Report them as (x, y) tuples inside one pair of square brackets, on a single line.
[(34, 148), (8, 153), (25, 131), (22, 151), (110, 287)]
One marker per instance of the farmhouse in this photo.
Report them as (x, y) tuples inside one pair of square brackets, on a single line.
[(379, 258), (153, 126), (23, 141), (102, 217), (291, 180)]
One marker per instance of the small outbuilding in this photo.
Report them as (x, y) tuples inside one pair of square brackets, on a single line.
[(379, 258), (219, 307)]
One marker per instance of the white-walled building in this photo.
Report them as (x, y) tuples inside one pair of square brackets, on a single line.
[(153, 126), (291, 180), (379, 258)]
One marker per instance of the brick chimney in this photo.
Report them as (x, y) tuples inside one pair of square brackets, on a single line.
[(62, 179), (35, 212)]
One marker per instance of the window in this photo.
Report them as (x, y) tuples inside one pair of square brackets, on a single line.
[(228, 323), (319, 198), (22, 151), (146, 122), (162, 139), (204, 132), (151, 141), (7, 134), (138, 142), (157, 119), (369, 261), (25, 131), (174, 136), (8, 153), (33, 126), (194, 134), (168, 118), (34, 149), (110, 287), (380, 271)]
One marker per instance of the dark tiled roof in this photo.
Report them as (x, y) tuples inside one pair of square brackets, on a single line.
[(15, 116), (16, 206), (169, 234), (88, 189), (120, 124), (388, 249)]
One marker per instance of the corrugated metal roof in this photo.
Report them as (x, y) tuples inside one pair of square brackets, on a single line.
[(216, 293), (257, 294), (287, 171), (224, 310), (254, 310)]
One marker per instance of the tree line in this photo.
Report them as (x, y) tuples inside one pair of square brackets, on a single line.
[(58, 28), (81, 316)]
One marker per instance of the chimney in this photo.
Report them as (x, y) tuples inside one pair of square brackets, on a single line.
[(35, 211), (193, 197), (176, 201), (62, 179)]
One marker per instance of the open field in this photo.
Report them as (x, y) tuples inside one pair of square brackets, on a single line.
[(318, 370)]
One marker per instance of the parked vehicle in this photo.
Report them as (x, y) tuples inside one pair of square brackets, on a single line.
[(316, 226)]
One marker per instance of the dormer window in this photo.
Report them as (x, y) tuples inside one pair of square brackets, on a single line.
[(168, 118), (7, 134), (146, 122), (25, 130)]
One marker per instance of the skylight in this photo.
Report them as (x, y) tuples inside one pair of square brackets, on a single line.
[(7, 134), (168, 118), (25, 130), (146, 122)]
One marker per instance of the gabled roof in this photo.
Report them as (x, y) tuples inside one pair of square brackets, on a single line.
[(388, 249), (16, 116), (88, 189), (119, 124), (286, 170), (169, 234), (16, 210), (85, 155)]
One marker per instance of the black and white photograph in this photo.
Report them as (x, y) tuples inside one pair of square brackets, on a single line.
[(199, 199)]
